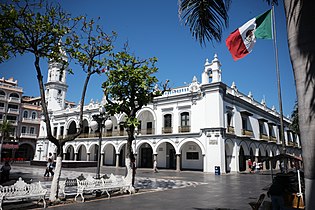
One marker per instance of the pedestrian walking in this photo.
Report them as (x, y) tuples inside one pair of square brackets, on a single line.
[(5, 171), (49, 168), (250, 165), (155, 170)]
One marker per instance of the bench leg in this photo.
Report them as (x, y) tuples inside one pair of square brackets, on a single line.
[(44, 201), (81, 194), (1, 199), (107, 193)]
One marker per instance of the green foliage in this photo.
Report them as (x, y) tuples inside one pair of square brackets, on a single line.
[(130, 85), (6, 129), (34, 28), (205, 18), (89, 46)]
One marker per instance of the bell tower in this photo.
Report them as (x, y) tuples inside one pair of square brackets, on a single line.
[(211, 70), (56, 87)]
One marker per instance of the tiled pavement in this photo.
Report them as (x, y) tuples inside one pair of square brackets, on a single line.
[(164, 190)]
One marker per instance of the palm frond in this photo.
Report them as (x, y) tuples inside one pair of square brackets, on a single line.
[(205, 18)]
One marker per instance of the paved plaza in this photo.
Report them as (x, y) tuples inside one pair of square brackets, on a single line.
[(167, 189)]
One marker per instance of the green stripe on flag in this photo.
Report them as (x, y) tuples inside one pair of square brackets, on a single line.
[(264, 26)]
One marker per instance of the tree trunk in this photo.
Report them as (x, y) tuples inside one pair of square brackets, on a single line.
[(55, 182), (130, 160), (301, 29)]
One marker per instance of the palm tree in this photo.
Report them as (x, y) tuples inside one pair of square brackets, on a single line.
[(5, 129), (204, 17)]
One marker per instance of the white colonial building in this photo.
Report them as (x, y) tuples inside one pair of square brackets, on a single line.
[(196, 127)]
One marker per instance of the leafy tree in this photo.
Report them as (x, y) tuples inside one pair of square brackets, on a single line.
[(300, 29), (5, 130), (130, 86), (37, 29)]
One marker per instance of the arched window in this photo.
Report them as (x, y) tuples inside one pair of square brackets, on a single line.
[(25, 114), (33, 115), (14, 95), (2, 93)]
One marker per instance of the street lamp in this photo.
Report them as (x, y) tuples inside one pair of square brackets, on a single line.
[(99, 121)]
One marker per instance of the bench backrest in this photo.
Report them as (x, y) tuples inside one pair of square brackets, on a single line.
[(22, 188), (89, 181)]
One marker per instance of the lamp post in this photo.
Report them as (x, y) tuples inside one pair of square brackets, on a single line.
[(99, 121)]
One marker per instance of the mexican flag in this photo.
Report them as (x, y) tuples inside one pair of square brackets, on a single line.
[(242, 40)]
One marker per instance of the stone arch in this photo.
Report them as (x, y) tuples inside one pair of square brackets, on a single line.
[(69, 152), (81, 152), (253, 146), (192, 154), (85, 126), (92, 150), (184, 141), (14, 95), (164, 141), (121, 152), (166, 154), (109, 152), (245, 147), (229, 148), (26, 151), (242, 159), (72, 127), (147, 121), (139, 143), (145, 154)]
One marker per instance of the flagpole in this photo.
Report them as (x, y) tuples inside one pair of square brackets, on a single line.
[(283, 151)]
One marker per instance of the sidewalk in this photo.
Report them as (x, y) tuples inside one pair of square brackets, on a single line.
[(167, 189)]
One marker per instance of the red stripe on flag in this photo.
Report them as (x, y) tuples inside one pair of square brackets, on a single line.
[(236, 46)]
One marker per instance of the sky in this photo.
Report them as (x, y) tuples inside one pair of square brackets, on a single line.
[(153, 29)]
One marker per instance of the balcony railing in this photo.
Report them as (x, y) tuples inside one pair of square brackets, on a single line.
[(2, 98), (16, 100), (291, 143), (167, 130), (272, 138), (247, 133), (29, 135), (13, 122), (230, 130), (28, 120), (184, 129), (147, 131), (2, 109), (104, 134), (263, 136), (13, 111)]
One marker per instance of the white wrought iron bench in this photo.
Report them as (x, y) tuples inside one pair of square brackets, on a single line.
[(91, 185), (21, 191), (68, 187)]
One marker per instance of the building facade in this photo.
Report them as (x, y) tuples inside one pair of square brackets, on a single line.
[(23, 113), (199, 126)]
